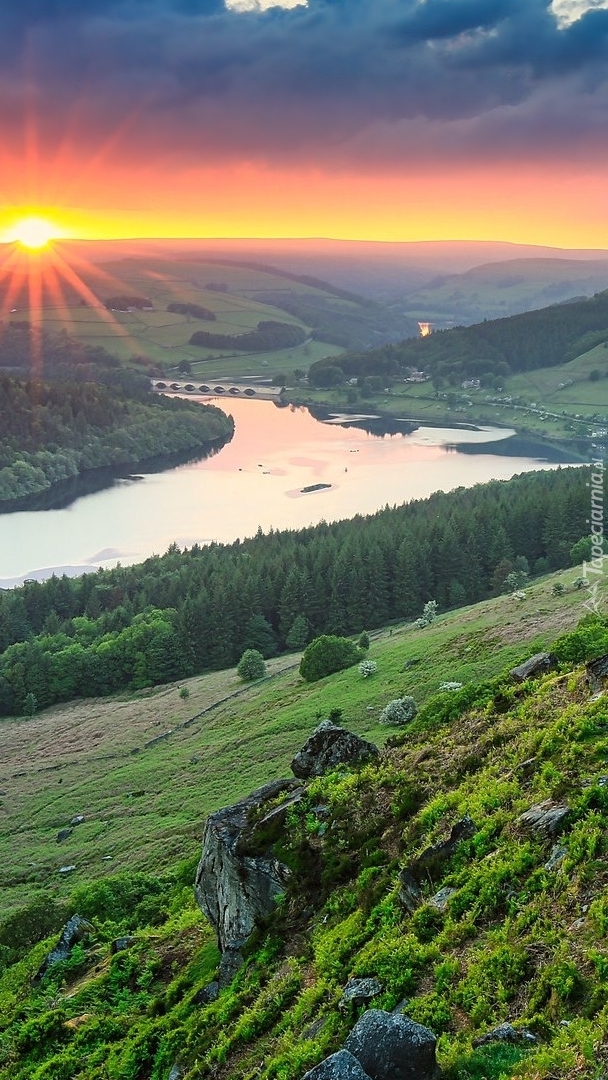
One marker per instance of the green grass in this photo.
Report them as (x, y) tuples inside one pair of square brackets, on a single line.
[(163, 336), (91, 757), (517, 942)]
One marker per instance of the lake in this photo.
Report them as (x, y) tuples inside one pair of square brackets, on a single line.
[(255, 481)]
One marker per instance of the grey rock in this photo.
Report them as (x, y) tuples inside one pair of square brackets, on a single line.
[(556, 858), (596, 672), (340, 1066), (67, 869), (176, 1073), (235, 889), (390, 1046), (231, 962), (545, 818), (506, 1033), (409, 892), (75, 930), (536, 665), (314, 1029), (121, 943), (77, 819), (63, 834), (441, 899), (208, 994), (434, 858), (329, 746), (358, 991)]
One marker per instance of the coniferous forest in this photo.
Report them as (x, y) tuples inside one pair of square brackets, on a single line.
[(186, 612)]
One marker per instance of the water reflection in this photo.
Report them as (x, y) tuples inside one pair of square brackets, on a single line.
[(251, 482)]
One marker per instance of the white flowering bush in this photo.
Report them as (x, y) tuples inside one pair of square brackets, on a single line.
[(399, 711), (367, 668), (429, 614), (450, 686)]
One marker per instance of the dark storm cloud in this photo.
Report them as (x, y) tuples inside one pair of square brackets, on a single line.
[(336, 80)]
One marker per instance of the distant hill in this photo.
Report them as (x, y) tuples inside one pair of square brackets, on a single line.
[(390, 273), (506, 288)]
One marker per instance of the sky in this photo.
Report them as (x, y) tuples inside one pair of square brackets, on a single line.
[(355, 119)]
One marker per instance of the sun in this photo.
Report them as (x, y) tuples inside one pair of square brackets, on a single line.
[(34, 232)]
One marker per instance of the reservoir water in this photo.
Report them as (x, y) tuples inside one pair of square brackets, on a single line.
[(256, 481)]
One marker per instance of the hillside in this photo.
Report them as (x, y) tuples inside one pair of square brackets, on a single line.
[(509, 925), (496, 289), (151, 307), (527, 371)]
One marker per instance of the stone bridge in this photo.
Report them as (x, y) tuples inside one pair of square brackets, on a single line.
[(217, 388)]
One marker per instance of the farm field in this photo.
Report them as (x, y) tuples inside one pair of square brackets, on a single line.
[(240, 297)]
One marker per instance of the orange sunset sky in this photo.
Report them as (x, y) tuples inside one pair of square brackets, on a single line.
[(363, 119)]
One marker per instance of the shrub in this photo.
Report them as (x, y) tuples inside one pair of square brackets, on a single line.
[(450, 686), (327, 654), (367, 668), (184, 693), (363, 641), (429, 614), (399, 711), (251, 666)]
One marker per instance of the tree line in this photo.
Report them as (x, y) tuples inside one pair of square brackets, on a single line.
[(268, 335), (186, 612), (489, 350)]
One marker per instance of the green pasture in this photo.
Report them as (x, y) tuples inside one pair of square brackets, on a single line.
[(163, 336), (144, 805)]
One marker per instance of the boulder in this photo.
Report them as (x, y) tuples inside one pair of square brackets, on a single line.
[(121, 943), (545, 818), (63, 834), (77, 819), (74, 931), (390, 1046), (506, 1033), (328, 746), (358, 991), (235, 885), (596, 672), (340, 1066), (537, 665)]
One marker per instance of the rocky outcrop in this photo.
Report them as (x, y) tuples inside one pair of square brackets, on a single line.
[(596, 672), (74, 931), (340, 1066), (546, 818), (389, 1046), (329, 746), (235, 885), (538, 664)]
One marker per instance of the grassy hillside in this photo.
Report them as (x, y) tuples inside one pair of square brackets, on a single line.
[(521, 938), (335, 318), (119, 762)]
